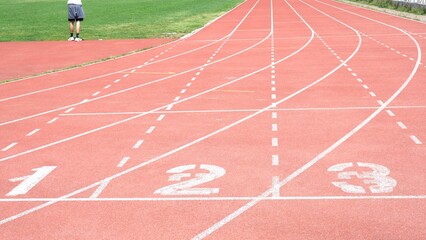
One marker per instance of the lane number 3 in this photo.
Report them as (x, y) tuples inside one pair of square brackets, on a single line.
[(378, 178), (187, 187)]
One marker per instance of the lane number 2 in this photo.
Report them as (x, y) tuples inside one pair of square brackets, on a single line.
[(187, 187), (378, 178)]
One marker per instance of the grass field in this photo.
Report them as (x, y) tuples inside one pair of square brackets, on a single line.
[(34, 20)]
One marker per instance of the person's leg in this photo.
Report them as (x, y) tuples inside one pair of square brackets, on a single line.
[(77, 30), (71, 30)]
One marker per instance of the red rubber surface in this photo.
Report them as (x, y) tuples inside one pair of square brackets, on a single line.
[(292, 119)]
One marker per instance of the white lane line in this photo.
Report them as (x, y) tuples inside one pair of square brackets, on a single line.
[(274, 96), (123, 161), (96, 94), (150, 130), (183, 91), (390, 113), (100, 189), (138, 144), (107, 86), (274, 127), (69, 110), (274, 115), (380, 102), (161, 117), (53, 120), (276, 187), (174, 199), (9, 146), (359, 80), (365, 86), (176, 99), (372, 94), (275, 142), (169, 107), (401, 125), (416, 140), (117, 81), (125, 75), (33, 132), (275, 160)]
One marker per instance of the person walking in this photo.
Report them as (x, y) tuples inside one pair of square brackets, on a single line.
[(75, 17)]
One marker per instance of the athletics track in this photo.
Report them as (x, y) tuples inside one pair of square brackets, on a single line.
[(279, 120)]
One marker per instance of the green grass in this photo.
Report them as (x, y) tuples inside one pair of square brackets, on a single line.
[(35, 20), (399, 6)]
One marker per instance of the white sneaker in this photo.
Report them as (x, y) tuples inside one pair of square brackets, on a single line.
[(71, 39), (78, 39)]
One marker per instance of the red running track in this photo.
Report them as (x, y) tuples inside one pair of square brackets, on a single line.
[(280, 120)]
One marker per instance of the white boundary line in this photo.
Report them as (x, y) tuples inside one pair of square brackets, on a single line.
[(173, 199)]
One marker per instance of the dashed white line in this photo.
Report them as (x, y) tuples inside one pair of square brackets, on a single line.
[(107, 86), (125, 75), (372, 94), (390, 113), (53, 120), (138, 144), (96, 94), (275, 142), (416, 140), (401, 125), (274, 115), (276, 186), (274, 127), (123, 161), (161, 117), (69, 110), (9, 147), (365, 86), (100, 189), (176, 99), (150, 130), (33, 132), (275, 160)]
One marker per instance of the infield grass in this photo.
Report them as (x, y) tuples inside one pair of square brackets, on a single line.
[(34, 20)]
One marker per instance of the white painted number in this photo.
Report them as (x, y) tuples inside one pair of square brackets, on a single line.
[(28, 182), (187, 187), (378, 178)]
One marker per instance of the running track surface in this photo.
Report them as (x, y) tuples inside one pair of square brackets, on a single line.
[(22, 59), (280, 120)]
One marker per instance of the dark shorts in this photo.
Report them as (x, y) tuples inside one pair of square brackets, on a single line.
[(75, 12)]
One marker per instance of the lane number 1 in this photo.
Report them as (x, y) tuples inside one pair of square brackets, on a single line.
[(28, 182)]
